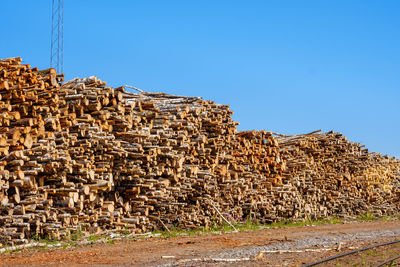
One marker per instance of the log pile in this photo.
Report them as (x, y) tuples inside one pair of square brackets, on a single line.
[(82, 156), (333, 176)]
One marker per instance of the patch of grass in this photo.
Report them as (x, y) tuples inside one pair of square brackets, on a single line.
[(200, 230), (368, 216), (126, 231), (288, 224), (327, 221), (43, 248), (372, 252), (77, 235), (47, 239), (305, 223), (171, 233), (248, 225), (94, 238), (177, 231)]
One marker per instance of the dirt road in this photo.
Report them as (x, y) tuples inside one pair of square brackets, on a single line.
[(229, 248)]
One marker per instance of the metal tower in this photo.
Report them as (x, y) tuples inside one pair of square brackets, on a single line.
[(57, 35)]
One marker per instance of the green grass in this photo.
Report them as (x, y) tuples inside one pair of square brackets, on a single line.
[(94, 238), (287, 224), (372, 252), (248, 225), (77, 235), (368, 216), (328, 221), (126, 232), (48, 240), (367, 258)]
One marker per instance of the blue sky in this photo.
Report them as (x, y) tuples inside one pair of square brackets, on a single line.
[(285, 66)]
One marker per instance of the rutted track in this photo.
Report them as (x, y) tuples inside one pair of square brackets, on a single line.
[(338, 238)]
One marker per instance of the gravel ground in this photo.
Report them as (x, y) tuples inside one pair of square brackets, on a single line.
[(206, 249), (329, 241), (334, 243)]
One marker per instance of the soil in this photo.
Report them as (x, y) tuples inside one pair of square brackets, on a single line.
[(307, 244)]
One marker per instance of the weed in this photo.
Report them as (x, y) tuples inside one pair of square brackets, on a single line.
[(47, 239), (369, 216), (249, 224), (77, 235), (126, 231), (43, 248), (327, 221), (372, 252), (17, 250), (94, 238)]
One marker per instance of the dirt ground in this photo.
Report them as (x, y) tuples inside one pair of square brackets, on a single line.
[(297, 246)]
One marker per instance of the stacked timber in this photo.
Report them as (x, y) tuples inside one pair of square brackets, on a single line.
[(332, 176), (80, 155), (28, 97)]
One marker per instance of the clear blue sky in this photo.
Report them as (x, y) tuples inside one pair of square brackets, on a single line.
[(285, 66)]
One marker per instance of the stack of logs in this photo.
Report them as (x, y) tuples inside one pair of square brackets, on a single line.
[(83, 156), (332, 176)]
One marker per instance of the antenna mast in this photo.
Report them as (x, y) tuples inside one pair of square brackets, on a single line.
[(57, 35)]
